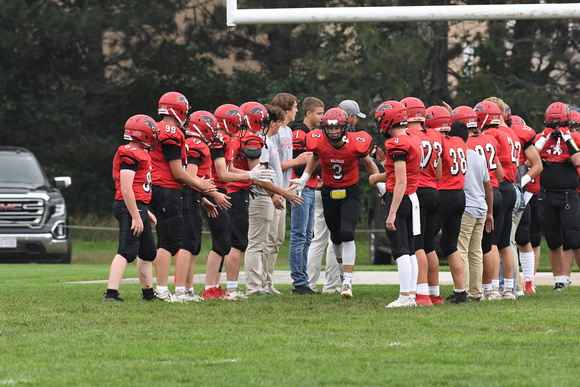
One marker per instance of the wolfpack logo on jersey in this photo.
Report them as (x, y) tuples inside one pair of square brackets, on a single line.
[(339, 165)]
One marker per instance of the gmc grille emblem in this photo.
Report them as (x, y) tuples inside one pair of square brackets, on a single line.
[(10, 207)]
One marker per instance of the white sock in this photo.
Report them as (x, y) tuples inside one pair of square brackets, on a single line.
[(566, 279), (210, 286), (485, 287), (527, 260), (232, 284), (508, 283), (161, 289), (337, 250), (414, 273), (434, 291), (348, 253), (495, 283), (180, 289), (458, 290), (557, 278), (347, 278), (405, 271), (423, 289), (190, 290)]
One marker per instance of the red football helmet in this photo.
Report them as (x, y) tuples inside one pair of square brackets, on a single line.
[(174, 104), (390, 114), (415, 109), (507, 114), (202, 124), (438, 118), (517, 122), (488, 113), (229, 117), (255, 115), (574, 119), (143, 129), (465, 114), (335, 117), (557, 115)]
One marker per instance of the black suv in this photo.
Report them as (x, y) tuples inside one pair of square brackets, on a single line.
[(379, 244), (33, 218)]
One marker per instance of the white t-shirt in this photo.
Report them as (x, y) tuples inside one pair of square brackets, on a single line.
[(284, 142), (476, 175), (270, 155)]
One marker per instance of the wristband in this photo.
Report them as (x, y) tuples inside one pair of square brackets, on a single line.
[(525, 180), (305, 176)]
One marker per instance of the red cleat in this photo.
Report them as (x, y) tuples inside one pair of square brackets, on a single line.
[(436, 300), (210, 294), (222, 293), (529, 286), (423, 300)]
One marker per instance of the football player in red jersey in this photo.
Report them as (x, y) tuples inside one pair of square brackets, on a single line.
[(486, 146), (558, 200), (521, 230), (402, 173), (338, 152), (450, 187), (432, 145), (525, 139), (132, 174), (489, 119), (168, 161)]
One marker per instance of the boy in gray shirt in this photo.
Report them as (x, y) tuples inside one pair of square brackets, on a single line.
[(477, 215)]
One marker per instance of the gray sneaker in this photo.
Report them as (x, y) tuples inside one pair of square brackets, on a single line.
[(272, 290), (236, 293), (508, 294), (346, 291), (165, 296)]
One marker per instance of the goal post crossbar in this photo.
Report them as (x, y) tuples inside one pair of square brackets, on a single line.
[(237, 16)]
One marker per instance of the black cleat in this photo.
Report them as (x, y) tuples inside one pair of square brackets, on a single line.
[(109, 298), (559, 286), (457, 298), (303, 289)]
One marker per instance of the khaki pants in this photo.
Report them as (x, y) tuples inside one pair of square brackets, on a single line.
[(276, 237), (469, 247), (261, 214)]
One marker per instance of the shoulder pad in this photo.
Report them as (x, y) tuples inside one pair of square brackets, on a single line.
[(363, 142), (313, 139), (299, 140), (252, 141)]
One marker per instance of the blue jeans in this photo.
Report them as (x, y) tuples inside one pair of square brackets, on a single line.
[(302, 222)]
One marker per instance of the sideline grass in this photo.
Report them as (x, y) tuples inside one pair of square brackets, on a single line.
[(55, 333)]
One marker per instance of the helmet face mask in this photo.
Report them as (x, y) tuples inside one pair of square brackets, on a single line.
[(142, 129), (174, 104), (202, 124), (389, 115), (334, 118)]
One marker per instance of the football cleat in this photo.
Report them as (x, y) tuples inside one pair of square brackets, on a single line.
[(346, 291)]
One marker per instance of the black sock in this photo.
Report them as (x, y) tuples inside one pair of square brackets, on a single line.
[(148, 294), (112, 293)]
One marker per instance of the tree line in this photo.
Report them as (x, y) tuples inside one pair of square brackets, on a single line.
[(72, 72)]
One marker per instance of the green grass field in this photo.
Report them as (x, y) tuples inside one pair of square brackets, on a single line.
[(58, 333)]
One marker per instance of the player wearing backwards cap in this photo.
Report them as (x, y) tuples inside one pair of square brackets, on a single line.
[(168, 176), (454, 167), (402, 172), (353, 110), (558, 198), (132, 174), (338, 152), (432, 146), (481, 260), (489, 118)]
